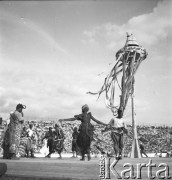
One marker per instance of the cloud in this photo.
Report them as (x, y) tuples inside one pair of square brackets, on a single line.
[(148, 29), (53, 84), (47, 93), (153, 32)]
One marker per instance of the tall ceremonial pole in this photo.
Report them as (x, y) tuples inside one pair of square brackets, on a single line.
[(128, 60), (135, 151)]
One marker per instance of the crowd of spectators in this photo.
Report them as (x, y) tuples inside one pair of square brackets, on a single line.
[(156, 139)]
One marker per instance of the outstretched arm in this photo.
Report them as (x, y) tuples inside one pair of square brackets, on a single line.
[(97, 121), (69, 119), (107, 128)]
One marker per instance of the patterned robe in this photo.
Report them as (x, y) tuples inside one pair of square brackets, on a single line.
[(12, 135), (59, 140)]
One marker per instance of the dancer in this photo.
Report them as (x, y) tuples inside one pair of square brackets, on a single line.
[(74, 142), (142, 150), (86, 131), (50, 142), (59, 140), (13, 134), (118, 128), (24, 132), (30, 148)]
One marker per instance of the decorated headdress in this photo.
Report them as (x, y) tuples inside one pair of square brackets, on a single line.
[(85, 107), (20, 106)]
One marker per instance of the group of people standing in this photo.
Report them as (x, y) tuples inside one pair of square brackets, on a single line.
[(82, 137), (86, 133)]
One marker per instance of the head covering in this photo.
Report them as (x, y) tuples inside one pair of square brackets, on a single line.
[(20, 106), (30, 126), (75, 129), (56, 125), (85, 107)]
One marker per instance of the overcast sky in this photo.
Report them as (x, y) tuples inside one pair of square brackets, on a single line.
[(52, 52)]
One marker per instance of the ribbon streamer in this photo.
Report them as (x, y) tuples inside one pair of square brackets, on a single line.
[(128, 60)]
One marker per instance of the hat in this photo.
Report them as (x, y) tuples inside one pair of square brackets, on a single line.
[(75, 128), (85, 106), (56, 125), (20, 106)]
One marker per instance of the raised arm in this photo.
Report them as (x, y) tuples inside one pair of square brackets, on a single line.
[(97, 121)]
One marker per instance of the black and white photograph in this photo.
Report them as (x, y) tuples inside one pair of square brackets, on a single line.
[(85, 89)]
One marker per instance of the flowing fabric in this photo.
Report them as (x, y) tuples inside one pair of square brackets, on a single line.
[(50, 142), (24, 145), (126, 66), (59, 141), (6, 145), (12, 135), (44, 150), (85, 136)]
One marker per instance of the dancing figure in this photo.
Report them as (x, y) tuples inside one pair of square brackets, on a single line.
[(59, 140), (142, 150), (74, 142), (50, 142), (30, 143), (86, 131), (117, 128)]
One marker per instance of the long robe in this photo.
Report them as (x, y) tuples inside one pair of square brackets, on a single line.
[(59, 140), (12, 135), (86, 131), (74, 141)]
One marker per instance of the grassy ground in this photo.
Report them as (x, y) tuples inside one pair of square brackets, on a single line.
[(73, 168)]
